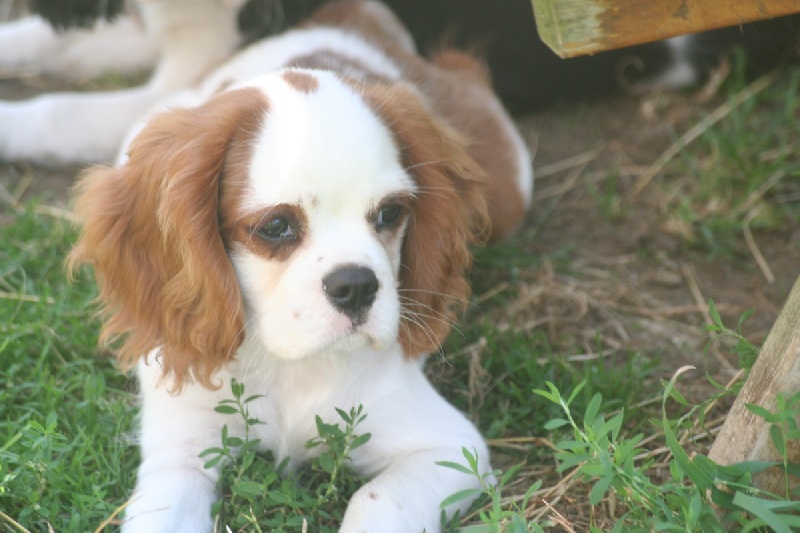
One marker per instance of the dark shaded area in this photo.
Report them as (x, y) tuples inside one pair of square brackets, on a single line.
[(65, 14), (526, 73)]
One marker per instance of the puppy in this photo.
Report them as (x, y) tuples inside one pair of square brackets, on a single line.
[(301, 222)]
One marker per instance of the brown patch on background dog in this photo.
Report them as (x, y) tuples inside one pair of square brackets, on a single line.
[(373, 21), (458, 88), (300, 81)]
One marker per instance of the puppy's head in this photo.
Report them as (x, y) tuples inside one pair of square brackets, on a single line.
[(311, 213)]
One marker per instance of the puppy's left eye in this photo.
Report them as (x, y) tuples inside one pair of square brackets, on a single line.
[(276, 230), (388, 215)]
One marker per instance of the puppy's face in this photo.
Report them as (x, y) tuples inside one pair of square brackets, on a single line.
[(315, 221), (310, 212)]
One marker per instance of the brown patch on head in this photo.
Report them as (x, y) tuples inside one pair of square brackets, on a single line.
[(151, 230), (301, 81), (457, 88), (448, 215)]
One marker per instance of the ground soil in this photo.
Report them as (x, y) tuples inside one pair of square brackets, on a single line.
[(666, 280)]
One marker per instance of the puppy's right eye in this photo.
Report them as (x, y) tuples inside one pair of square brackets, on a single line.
[(277, 230), (388, 216)]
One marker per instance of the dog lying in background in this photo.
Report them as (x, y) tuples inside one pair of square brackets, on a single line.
[(300, 221), (182, 40)]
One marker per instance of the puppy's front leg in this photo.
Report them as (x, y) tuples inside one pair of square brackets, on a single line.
[(412, 431), (405, 497), (174, 492)]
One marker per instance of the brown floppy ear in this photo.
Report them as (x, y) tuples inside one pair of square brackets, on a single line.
[(151, 230), (449, 215)]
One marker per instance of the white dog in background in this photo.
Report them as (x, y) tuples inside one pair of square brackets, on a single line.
[(183, 39)]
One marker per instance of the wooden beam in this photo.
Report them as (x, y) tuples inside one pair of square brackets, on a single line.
[(745, 436), (576, 27)]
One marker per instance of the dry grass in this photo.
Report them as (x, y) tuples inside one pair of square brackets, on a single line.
[(607, 265)]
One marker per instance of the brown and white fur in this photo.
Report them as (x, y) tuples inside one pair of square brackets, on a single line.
[(182, 40), (301, 222)]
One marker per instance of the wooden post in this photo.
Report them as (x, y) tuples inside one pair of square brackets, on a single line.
[(575, 27), (745, 436)]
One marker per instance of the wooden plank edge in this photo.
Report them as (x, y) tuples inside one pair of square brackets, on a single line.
[(745, 436)]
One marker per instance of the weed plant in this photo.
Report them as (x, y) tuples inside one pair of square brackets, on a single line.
[(259, 495)]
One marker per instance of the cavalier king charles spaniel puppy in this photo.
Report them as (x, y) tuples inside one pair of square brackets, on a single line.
[(301, 222)]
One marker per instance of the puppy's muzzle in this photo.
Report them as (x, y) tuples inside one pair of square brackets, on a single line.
[(352, 290)]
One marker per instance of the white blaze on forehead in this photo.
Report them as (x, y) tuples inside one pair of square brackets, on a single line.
[(325, 143)]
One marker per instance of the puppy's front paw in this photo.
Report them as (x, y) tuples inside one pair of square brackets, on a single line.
[(373, 510), (179, 502)]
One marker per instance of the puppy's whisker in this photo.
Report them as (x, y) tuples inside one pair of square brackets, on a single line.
[(429, 188), (429, 162), (417, 303), (452, 297), (426, 317), (434, 315), (408, 317), (430, 191), (428, 312)]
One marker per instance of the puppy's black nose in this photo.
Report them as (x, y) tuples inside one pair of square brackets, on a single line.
[(351, 289)]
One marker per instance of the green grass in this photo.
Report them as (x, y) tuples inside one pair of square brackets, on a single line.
[(64, 412), (743, 173)]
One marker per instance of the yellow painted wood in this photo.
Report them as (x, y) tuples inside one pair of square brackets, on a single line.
[(576, 27)]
